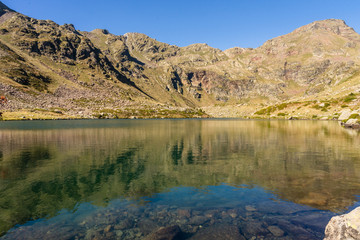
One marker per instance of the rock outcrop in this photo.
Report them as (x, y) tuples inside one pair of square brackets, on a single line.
[(343, 227)]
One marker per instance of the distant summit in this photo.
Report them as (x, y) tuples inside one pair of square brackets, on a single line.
[(336, 26)]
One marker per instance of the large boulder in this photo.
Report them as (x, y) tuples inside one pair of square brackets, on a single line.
[(345, 115), (346, 226), (352, 123)]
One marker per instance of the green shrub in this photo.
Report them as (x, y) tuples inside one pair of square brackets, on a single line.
[(281, 114)]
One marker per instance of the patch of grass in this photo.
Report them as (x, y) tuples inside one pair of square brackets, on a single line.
[(323, 108), (269, 110), (314, 117), (32, 115), (281, 114), (282, 106), (355, 115), (349, 97), (266, 111), (344, 106), (316, 106), (307, 104)]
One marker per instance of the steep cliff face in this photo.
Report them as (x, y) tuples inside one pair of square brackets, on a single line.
[(91, 71)]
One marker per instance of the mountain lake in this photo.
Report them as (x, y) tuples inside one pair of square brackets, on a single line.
[(212, 178)]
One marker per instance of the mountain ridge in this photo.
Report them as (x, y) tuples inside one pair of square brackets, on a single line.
[(99, 74)]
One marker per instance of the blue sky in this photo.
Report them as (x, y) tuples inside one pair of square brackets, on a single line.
[(220, 23)]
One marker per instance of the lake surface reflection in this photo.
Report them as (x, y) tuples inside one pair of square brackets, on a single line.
[(215, 179)]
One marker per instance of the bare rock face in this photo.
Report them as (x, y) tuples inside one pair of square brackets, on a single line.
[(345, 115), (346, 226)]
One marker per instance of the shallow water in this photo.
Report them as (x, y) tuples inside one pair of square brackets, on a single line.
[(123, 179)]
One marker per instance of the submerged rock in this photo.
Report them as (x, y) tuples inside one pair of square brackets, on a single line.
[(250, 208), (346, 226), (166, 233), (219, 232), (276, 231), (125, 224), (184, 213), (198, 220), (252, 227), (147, 226)]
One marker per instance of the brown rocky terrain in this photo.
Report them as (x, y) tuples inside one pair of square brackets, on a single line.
[(53, 71)]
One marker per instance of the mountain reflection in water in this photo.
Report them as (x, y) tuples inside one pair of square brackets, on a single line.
[(49, 167)]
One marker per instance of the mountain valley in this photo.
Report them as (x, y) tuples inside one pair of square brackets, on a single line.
[(48, 71)]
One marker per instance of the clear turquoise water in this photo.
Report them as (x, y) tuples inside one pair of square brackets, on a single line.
[(123, 179)]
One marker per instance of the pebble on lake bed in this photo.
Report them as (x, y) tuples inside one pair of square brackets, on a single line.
[(276, 231), (250, 208)]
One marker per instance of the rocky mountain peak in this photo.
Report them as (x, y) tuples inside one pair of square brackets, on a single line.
[(149, 48), (4, 9), (330, 36), (236, 51), (101, 31), (335, 26)]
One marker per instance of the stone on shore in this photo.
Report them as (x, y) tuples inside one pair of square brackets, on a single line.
[(345, 226), (352, 123)]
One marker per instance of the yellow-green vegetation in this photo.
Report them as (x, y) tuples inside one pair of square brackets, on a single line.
[(35, 114), (354, 116), (349, 97), (271, 109), (150, 113), (323, 107)]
